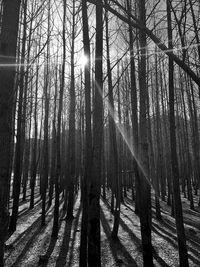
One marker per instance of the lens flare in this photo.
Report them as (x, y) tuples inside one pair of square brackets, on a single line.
[(127, 140), (83, 60)]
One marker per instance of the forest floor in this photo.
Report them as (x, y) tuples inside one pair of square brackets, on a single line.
[(30, 241)]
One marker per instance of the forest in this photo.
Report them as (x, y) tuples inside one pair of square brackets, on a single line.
[(99, 133)]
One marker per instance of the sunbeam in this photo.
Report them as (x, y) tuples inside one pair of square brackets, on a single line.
[(120, 128)]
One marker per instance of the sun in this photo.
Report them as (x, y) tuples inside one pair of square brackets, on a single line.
[(83, 60)]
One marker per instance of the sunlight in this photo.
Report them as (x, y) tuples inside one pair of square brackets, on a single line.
[(83, 60), (121, 129)]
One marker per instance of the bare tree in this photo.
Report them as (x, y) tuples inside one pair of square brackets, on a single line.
[(183, 256), (8, 44), (71, 140), (88, 143), (144, 183), (58, 136), (94, 253)]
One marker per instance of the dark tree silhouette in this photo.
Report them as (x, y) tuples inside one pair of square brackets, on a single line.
[(8, 43)]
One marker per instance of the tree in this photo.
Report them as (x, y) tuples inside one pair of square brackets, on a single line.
[(45, 173), (8, 44), (158, 137), (58, 136), (88, 141), (183, 256), (112, 139), (94, 253), (53, 145), (20, 134), (137, 24), (134, 107), (71, 140), (144, 183)]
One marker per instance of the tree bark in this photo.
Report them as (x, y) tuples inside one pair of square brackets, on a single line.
[(94, 253), (88, 144), (72, 131), (134, 109), (183, 256), (8, 43), (144, 183), (113, 139)]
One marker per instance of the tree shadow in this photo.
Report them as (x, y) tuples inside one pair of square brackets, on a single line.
[(191, 221), (38, 231), (51, 246), (129, 200), (117, 248), (190, 236), (35, 224), (165, 235), (27, 213), (137, 241), (169, 237), (107, 204), (133, 237), (74, 235), (61, 260), (127, 206), (195, 212), (166, 229)]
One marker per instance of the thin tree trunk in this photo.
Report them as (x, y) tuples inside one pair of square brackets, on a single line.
[(45, 171), (134, 109), (188, 158), (145, 189), (158, 137), (58, 137), (87, 175), (94, 253), (183, 256), (113, 139), (53, 149), (72, 130)]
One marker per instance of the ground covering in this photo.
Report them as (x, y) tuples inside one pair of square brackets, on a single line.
[(31, 245)]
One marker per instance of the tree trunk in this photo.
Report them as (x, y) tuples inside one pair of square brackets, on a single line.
[(158, 139), (45, 173), (58, 137), (134, 110), (53, 148), (71, 141), (34, 149), (88, 145), (113, 139), (8, 43), (144, 183), (19, 138), (183, 256), (94, 253)]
